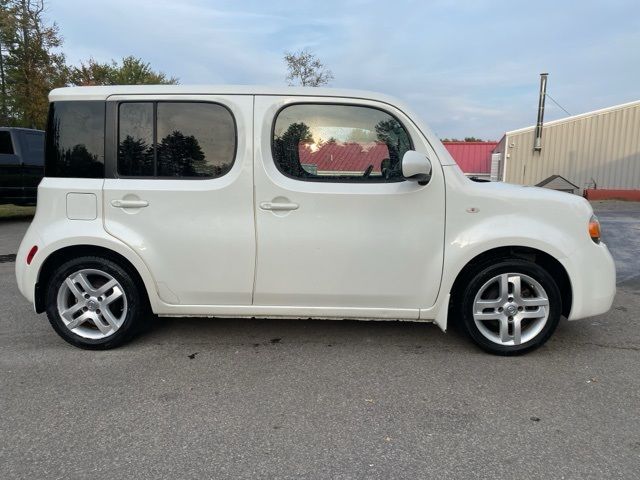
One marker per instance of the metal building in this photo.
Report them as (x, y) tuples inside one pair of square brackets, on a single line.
[(599, 149)]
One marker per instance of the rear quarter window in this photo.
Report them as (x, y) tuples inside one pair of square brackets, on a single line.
[(6, 146), (75, 140)]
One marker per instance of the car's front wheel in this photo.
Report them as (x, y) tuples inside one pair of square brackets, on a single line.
[(94, 303), (510, 307)]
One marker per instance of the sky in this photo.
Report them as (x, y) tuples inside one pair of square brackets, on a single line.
[(468, 68)]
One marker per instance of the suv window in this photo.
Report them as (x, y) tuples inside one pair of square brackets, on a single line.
[(75, 139), (349, 143), (187, 139), (33, 143), (6, 146)]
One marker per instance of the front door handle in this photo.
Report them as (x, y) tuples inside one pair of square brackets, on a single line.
[(279, 207), (129, 203)]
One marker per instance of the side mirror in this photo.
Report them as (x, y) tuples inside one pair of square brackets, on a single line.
[(416, 167)]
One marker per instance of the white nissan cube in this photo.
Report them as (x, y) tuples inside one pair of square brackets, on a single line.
[(291, 202)]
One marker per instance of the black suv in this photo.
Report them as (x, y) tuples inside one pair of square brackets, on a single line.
[(21, 164)]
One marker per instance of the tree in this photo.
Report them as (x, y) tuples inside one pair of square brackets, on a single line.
[(135, 156), (393, 135), (7, 36), (305, 69), (287, 146), (132, 71), (181, 155), (360, 135), (32, 64)]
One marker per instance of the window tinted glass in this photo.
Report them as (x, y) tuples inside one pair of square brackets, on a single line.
[(5, 143), (135, 140), (75, 140), (34, 148), (194, 140), (339, 143)]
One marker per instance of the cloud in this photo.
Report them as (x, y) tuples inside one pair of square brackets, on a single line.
[(469, 68)]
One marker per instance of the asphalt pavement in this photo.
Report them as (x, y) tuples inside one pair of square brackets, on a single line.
[(223, 398)]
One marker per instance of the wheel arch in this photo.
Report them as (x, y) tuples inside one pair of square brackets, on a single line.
[(545, 260), (63, 254)]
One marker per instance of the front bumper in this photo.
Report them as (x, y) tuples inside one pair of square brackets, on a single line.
[(592, 274)]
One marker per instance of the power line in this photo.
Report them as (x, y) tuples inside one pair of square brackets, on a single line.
[(563, 109)]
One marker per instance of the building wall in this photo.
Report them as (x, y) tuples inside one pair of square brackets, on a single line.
[(601, 147)]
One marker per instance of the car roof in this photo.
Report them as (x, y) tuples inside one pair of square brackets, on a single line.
[(103, 92), (20, 129)]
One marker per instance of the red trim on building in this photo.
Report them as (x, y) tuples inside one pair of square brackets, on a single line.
[(611, 194)]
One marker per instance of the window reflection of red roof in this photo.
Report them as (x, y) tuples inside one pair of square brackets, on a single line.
[(344, 157)]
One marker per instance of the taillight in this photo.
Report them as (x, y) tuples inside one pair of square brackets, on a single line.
[(594, 229), (31, 254)]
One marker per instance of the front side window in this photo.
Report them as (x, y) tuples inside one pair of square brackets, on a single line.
[(75, 139), (324, 142), (6, 146), (175, 139)]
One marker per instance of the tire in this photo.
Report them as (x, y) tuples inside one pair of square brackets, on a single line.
[(490, 315), (94, 303)]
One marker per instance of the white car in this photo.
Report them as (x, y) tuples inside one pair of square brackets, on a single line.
[(287, 202)]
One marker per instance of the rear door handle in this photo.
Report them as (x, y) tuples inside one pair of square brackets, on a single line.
[(129, 203), (279, 207)]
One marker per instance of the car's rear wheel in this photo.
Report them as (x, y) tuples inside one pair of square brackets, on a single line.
[(510, 307), (94, 303)]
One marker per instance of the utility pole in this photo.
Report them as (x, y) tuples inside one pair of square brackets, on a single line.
[(537, 142)]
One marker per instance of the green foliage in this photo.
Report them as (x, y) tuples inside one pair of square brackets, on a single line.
[(180, 155), (132, 71), (466, 139), (135, 156), (32, 63), (360, 135), (286, 147)]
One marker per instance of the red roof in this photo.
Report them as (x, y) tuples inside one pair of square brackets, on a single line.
[(472, 157), (344, 157)]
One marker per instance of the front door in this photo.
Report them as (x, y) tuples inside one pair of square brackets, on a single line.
[(338, 227), (179, 193)]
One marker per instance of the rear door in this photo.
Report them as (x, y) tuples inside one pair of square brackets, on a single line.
[(339, 230), (179, 191)]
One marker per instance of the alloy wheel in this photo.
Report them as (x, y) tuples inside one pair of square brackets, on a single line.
[(511, 309), (92, 304)]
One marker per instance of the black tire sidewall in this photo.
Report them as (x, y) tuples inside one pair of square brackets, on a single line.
[(486, 272), (135, 307)]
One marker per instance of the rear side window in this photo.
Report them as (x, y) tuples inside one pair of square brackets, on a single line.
[(75, 140), (175, 139), (6, 146), (33, 144), (135, 140), (339, 143)]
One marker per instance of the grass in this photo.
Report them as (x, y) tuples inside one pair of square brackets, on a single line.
[(15, 212)]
